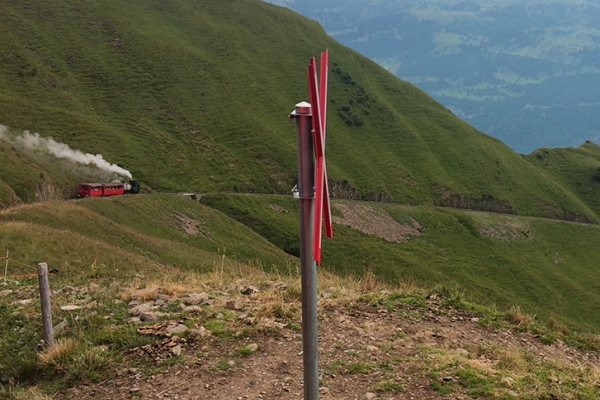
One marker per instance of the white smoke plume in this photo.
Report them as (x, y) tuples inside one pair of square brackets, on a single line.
[(33, 141)]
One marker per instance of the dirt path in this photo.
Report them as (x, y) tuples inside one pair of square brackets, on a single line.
[(364, 352)]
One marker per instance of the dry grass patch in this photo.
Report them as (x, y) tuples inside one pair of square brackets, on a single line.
[(377, 222), (516, 316), (507, 229), (30, 394), (58, 354), (510, 360)]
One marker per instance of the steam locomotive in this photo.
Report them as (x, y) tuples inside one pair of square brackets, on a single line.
[(108, 189)]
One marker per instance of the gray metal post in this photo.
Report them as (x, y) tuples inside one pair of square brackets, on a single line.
[(45, 299), (306, 188)]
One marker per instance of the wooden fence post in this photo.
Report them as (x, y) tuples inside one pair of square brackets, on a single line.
[(45, 299)]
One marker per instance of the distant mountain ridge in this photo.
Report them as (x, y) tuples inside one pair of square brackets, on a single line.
[(524, 72)]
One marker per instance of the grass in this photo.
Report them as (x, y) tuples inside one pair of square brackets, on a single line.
[(186, 109), (534, 265), (92, 346), (389, 141), (122, 236), (407, 148), (540, 266)]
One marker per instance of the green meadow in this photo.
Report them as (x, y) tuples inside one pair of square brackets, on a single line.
[(195, 97)]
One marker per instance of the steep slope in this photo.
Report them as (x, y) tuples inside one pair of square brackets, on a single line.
[(577, 169), (194, 96), (130, 233), (524, 72)]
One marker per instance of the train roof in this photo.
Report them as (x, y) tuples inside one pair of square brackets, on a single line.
[(102, 183)]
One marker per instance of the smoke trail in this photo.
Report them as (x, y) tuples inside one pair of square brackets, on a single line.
[(33, 141)]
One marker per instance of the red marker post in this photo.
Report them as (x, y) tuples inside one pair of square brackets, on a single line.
[(310, 128)]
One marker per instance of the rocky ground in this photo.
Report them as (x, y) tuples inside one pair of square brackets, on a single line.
[(247, 344)]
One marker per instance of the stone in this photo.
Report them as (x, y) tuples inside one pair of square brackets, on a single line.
[(176, 350), (58, 328), (142, 308), (192, 309), (235, 304), (150, 316), (270, 323), (231, 363), (134, 320), (369, 396), (252, 347), (202, 332), (70, 307), (372, 349), (280, 285), (4, 293), (22, 302), (249, 289), (179, 328), (195, 298), (68, 289)]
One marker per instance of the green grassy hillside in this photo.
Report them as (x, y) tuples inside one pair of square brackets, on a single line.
[(577, 169), (193, 96), (547, 267), (130, 233)]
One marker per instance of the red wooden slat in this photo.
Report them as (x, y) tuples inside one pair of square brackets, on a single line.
[(318, 215), (323, 119), (315, 106)]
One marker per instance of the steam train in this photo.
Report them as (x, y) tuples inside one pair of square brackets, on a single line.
[(108, 189)]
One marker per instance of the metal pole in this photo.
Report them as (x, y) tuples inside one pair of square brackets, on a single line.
[(45, 299), (6, 266), (306, 188)]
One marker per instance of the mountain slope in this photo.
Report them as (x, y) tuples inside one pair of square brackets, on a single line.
[(577, 169), (194, 96), (544, 266), (524, 72)]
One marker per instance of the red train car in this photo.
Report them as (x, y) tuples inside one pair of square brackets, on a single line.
[(89, 189), (100, 189), (111, 189)]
